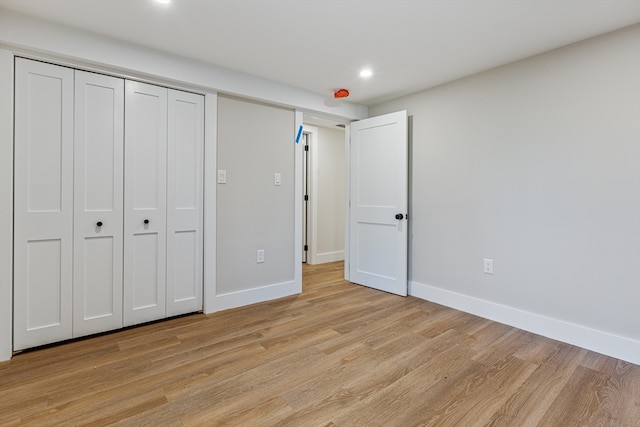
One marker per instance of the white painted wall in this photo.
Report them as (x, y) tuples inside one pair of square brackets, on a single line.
[(329, 174), (255, 141), (537, 166)]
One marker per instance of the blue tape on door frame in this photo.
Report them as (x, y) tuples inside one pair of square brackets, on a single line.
[(299, 134)]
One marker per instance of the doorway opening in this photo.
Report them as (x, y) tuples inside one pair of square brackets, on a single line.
[(324, 192)]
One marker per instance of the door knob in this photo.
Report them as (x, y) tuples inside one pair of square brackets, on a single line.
[(146, 221), (99, 224), (399, 216)]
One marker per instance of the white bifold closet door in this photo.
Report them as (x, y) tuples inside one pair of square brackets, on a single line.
[(98, 199), (145, 202), (184, 202), (43, 203), (163, 219), (108, 228)]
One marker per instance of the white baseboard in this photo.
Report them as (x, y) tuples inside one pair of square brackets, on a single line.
[(601, 342), (328, 257), (255, 295)]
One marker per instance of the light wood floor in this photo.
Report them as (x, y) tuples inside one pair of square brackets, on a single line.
[(337, 355)]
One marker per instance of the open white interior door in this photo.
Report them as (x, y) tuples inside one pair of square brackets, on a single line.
[(378, 203)]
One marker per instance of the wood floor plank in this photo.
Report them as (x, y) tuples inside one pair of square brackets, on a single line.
[(578, 401), (416, 397), (622, 394), (338, 355), (528, 404)]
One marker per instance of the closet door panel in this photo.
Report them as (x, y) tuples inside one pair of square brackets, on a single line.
[(146, 294), (43, 203), (98, 182), (145, 203), (184, 202)]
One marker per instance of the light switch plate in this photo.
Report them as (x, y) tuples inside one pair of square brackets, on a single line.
[(277, 178), (488, 266), (222, 176)]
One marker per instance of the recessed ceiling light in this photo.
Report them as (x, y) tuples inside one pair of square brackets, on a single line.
[(163, 1), (366, 73)]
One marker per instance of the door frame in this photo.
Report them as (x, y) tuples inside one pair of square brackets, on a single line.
[(312, 185), (313, 218), (6, 203), (347, 203)]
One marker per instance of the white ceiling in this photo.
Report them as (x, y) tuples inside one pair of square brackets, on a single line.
[(320, 45)]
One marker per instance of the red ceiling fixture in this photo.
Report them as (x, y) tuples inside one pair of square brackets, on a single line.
[(341, 93)]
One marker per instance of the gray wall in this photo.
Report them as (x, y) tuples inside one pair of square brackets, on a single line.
[(254, 142), (536, 165), (330, 187)]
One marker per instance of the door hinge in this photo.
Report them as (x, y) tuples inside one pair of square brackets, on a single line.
[(306, 148), (306, 197), (306, 247)]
